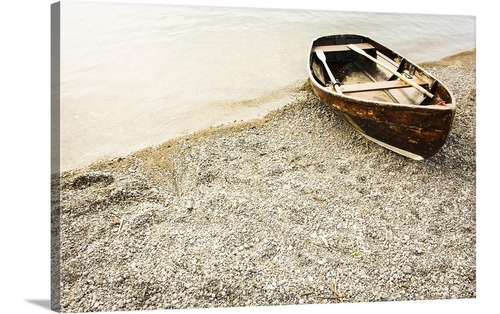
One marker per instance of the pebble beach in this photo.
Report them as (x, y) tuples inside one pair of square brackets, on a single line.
[(293, 208)]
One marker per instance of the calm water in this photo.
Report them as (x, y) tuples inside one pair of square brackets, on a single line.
[(136, 75)]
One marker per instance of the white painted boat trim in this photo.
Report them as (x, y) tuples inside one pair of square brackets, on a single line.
[(394, 149), (383, 144)]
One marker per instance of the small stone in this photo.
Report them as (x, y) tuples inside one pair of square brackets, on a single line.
[(408, 270), (189, 205)]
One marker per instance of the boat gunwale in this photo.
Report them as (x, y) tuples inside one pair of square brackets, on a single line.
[(327, 89)]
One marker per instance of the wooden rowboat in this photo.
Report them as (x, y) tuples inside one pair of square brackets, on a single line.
[(387, 98)]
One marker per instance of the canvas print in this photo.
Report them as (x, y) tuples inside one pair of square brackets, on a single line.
[(209, 157)]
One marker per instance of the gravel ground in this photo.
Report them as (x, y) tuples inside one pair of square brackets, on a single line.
[(294, 208)]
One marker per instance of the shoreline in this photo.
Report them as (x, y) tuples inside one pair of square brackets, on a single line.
[(213, 115), (293, 208), (209, 116)]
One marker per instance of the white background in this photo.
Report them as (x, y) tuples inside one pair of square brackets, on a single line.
[(25, 154)]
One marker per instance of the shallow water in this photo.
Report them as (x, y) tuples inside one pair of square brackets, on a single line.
[(136, 75)]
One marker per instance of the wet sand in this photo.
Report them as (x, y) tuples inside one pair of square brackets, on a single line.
[(292, 208)]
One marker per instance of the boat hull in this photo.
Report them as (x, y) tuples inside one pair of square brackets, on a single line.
[(415, 132)]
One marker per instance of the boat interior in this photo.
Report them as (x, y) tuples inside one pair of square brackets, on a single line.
[(361, 70)]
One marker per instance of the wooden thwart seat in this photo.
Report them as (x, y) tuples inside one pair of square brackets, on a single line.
[(364, 87), (337, 48)]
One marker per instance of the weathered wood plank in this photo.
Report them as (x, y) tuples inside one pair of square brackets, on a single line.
[(354, 88), (337, 48)]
